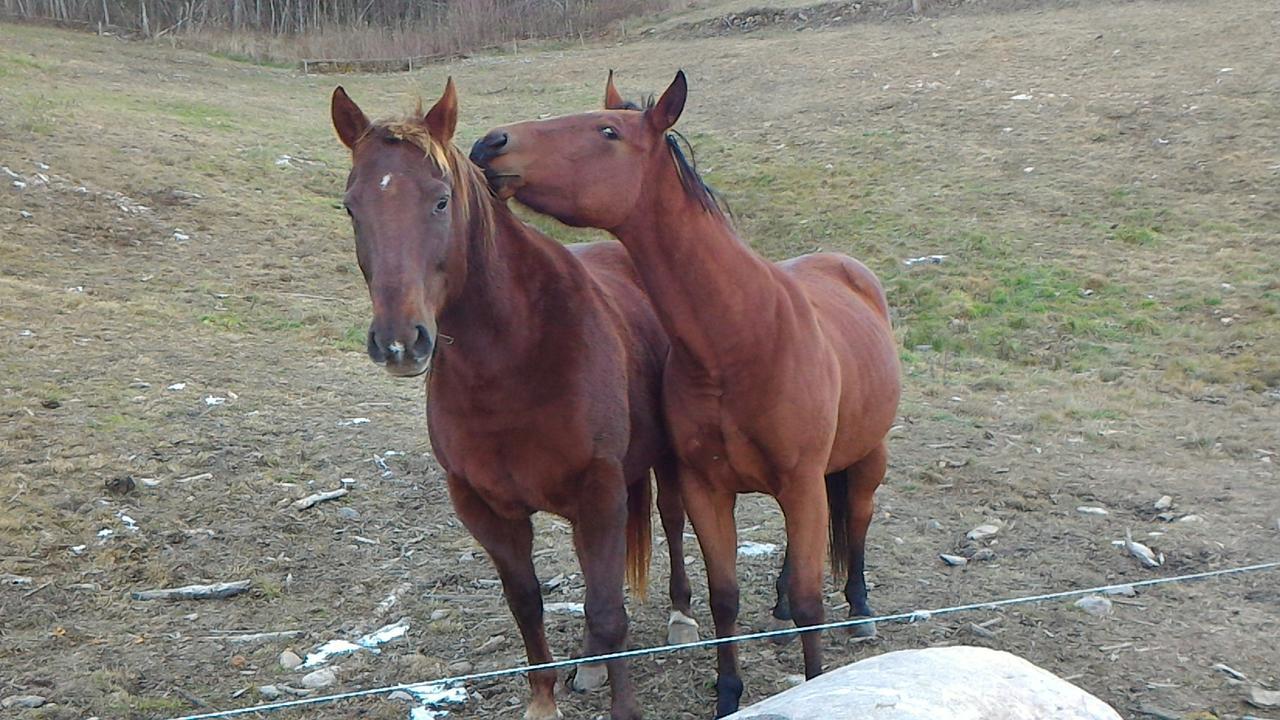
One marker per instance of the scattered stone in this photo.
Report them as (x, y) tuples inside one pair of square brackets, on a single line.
[(954, 560), (348, 513), (1258, 697), (750, 548), (439, 614), (933, 525), (289, 660), (984, 555), (1122, 591), (793, 680), (566, 608), (216, 591), (1165, 516), (120, 485), (981, 632), (401, 696), (1091, 510), (1143, 553), (1164, 503), (319, 678), (23, 701), (1094, 605), (491, 644), (239, 662), (269, 692), (313, 500), (462, 667), (24, 215), (15, 580), (1230, 671), (1190, 518), (982, 532)]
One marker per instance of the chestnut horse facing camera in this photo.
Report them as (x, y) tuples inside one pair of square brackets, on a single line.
[(783, 378), (545, 377)]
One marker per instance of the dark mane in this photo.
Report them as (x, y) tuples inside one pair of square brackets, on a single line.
[(687, 166)]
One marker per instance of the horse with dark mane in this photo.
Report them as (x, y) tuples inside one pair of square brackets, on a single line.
[(783, 378), (545, 376)]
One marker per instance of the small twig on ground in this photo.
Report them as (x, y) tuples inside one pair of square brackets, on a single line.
[(254, 637), (29, 593), (217, 591), (197, 702), (313, 500)]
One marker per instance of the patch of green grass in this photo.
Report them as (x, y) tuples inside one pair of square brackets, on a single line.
[(199, 114), (223, 320)]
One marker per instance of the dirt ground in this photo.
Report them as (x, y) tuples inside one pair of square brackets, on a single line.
[(180, 307)]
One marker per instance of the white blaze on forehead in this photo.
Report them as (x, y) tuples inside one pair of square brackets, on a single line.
[(386, 180)]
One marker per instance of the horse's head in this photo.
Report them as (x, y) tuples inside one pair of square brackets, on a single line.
[(588, 169), (408, 214)]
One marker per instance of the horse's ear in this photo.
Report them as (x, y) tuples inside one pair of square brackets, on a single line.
[(666, 112), (348, 119), (612, 98), (442, 118)]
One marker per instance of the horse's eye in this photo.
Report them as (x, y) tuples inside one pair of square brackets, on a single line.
[(609, 132), (444, 203)]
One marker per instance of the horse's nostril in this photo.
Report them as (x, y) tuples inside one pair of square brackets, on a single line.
[(423, 344), (489, 146)]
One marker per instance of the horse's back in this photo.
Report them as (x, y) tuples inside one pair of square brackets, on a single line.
[(853, 315)]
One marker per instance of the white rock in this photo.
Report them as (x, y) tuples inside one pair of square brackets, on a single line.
[(1094, 605), (750, 548), (954, 560), (1121, 590), (982, 532), (1164, 503), (793, 680), (1259, 697), (439, 614), (401, 696), (319, 678), (269, 692), (23, 701), (958, 683), (289, 660), (566, 608), (1190, 518), (1143, 553), (1091, 510)]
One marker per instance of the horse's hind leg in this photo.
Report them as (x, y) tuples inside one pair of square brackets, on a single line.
[(804, 505), (863, 480), (510, 545), (681, 627)]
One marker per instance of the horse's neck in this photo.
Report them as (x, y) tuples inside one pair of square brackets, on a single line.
[(492, 327), (716, 298)]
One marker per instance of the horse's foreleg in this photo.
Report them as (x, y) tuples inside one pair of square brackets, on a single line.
[(681, 627), (711, 511), (804, 505), (864, 478), (510, 545), (600, 539)]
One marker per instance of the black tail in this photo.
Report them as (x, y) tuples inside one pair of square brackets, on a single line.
[(838, 507)]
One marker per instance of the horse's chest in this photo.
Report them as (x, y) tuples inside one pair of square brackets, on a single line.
[(716, 447)]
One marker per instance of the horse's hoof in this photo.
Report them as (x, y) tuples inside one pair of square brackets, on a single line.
[(542, 710), (681, 629), (590, 677), (865, 631), (778, 624)]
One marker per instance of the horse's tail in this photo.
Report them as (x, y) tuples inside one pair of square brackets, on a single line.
[(838, 509), (639, 531)]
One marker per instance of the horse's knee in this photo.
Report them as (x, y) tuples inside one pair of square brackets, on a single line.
[(608, 626)]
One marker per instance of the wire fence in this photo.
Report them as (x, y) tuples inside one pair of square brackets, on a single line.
[(913, 616)]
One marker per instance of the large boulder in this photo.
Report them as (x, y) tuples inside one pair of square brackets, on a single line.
[(955, 683)]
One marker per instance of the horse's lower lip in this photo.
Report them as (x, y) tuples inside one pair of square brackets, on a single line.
[(409, 372)]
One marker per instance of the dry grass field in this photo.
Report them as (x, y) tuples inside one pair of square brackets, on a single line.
[(180, 305)]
